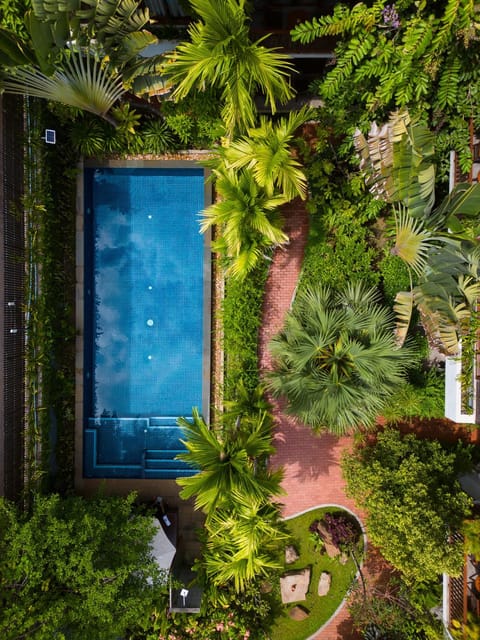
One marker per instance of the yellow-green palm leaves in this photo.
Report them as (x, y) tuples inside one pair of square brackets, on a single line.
[(267, 152), (226, 463), (236, 490), (248, 220), (220, 54)]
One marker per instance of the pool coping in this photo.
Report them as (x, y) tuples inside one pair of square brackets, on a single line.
[(147, 487)]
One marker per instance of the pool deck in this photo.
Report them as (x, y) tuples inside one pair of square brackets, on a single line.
[(311, 463)]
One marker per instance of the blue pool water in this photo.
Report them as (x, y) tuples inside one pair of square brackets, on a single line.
[(144, 317)]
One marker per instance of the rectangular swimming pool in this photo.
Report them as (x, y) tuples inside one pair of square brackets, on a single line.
[(146, 324)]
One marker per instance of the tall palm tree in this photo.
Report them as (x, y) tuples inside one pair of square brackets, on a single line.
[(336, 361), (266, 151), (440, 245), (220, 54), (228, 463), (244, 542), (248, 219)]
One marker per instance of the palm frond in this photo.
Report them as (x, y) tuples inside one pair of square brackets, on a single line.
[(412, 241), (84, 83), (403, 308)]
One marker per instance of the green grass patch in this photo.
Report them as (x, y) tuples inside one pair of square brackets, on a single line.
[(320, 608)]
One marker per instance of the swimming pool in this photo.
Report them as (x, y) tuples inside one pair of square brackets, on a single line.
[(146, 317)]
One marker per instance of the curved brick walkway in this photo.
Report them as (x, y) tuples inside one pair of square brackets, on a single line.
[(311, 463)]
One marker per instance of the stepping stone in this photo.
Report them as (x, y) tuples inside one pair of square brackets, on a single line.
[(324, 584), (294, 585), (291, 554), (298, 613)]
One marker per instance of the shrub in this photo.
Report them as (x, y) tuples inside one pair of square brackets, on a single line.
[(241, 314), (394, 277)]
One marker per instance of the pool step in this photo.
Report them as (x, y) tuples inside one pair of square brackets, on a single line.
[(163, 462), (167, 421)]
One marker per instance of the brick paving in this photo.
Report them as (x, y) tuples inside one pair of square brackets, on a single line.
[(311, 463)]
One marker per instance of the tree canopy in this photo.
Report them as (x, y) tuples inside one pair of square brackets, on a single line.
[(410, 490), (75, 568)]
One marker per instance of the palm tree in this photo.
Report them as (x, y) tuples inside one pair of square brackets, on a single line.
[(228, 462), (266, 152), (248, 219), (220, 54), (336, 361), (439, 245), (83, 57), (82, 83), (244, 543)]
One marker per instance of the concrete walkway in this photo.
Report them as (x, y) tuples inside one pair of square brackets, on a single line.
[(311, 463)]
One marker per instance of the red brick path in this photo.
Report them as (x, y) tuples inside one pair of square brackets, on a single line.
[(311, 463)]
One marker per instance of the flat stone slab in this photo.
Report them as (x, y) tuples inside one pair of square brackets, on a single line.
[(298, 613), (294, 585), (324, 584)]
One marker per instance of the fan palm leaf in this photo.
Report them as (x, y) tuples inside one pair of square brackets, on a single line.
[(84, 83), (336, 361), (412, 241)]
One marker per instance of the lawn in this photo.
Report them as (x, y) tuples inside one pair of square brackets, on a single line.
[(320, 608)]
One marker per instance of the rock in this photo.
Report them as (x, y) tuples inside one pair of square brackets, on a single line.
[(294, 585), (324, 584), (331, 549), (343, 558), (298, 613), (291, 554)]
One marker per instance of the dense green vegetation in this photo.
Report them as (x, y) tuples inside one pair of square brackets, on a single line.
[(336, 360), (412, 496), (50, 230), (416, 55), (75, 568)]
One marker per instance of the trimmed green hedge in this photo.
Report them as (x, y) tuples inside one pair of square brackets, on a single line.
[(242, 315)]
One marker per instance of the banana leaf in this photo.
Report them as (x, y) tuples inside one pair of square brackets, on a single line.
[(13, 52), (463, 200)]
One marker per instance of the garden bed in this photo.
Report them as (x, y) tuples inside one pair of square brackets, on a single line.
[(320, 608)]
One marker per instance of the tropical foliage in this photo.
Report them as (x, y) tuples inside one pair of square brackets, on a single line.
[(410, 491), (82, 54), (235, 490), (409, 54), (221, 55), (396, 610), (75, 568), (254, 176), (439, 244), (336, 361), (248, 219)]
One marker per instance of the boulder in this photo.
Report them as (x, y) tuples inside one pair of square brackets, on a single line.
[(291, 554), (324, 584), (331, 549), (294, 585), (298, 613)]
